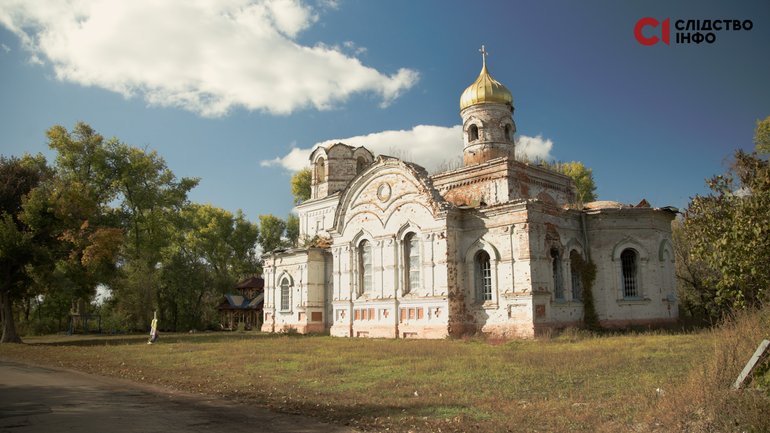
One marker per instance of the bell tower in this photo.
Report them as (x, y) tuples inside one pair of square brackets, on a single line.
[(486, 108)]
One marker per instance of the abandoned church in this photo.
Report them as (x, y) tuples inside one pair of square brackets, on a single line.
[(492, 247)]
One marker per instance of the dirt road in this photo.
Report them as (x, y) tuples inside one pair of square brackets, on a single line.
[(43, 400)]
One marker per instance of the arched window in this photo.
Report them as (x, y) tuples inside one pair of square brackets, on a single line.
[(508, 135), (629, 263), (365, 266), (483, 276), (412, 262), (575, 262), (320, 170), (285, 294), (558, 286), (360, 164), (473, 133)]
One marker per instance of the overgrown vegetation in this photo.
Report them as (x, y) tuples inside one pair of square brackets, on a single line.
[(706, 402), (587, 272), (112, 218), (722, 242)]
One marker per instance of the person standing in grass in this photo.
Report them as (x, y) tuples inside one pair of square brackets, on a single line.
[(154, 328)]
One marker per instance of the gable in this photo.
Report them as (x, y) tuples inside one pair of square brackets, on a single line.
[(387, 188)]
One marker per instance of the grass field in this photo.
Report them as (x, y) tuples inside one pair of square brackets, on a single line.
[(575, 382)]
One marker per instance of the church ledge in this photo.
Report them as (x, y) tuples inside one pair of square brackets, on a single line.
[(445, 176), (566, 304), (516, 295), (333, 197), (293, 251), (640, 301), (489, 210), (611, 207), (417, 298)]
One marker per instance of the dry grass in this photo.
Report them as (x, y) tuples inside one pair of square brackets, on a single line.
[(706, 402), (574, 382)]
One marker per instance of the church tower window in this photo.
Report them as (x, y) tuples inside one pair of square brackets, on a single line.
[(483, 276), (628, 260), (508, 135), (320, 170), (412, 261), (473, 133), (360, 164), (365, 267)]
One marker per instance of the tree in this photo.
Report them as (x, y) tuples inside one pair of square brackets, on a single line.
[(271, 230), (292, 230), (300, 185), (762, 136), (696, 295), (17, 240), (583, 178), (117, 189), (210, 251), (726, 235)]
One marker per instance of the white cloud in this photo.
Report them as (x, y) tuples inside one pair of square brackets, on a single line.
[(433, 147), (532, 148), (5, 48), (206, 56)]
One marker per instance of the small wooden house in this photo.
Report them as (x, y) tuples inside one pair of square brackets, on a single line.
[(243, 306)]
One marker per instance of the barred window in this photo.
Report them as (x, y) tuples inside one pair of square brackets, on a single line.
[(628, 260), (412, 261), (365, 266), (285, 295), (483, 276)]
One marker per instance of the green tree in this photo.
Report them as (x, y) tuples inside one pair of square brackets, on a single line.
[(583, 178), (128, 190), (150, 198), (300, 185), (729, 230), (17, 240), (292, 230), (762, 136), (696, 295), (210, 250), (271, 231)]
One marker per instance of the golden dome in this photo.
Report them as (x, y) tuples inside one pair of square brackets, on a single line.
[(485, 90)]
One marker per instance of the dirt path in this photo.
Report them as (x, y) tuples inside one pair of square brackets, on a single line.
[(43, 400)]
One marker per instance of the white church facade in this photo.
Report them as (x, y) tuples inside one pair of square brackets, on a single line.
[(490, 247)]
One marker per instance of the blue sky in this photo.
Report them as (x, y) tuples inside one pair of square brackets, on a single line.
[(236, 92)]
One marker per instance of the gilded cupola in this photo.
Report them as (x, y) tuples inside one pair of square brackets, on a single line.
[(485, 89)]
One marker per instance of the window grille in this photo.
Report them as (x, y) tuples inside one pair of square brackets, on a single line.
[(285, 294), (628, 260), (483, 276), (412, 254)]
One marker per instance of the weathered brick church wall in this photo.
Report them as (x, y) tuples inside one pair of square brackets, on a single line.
[(386, 206)]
